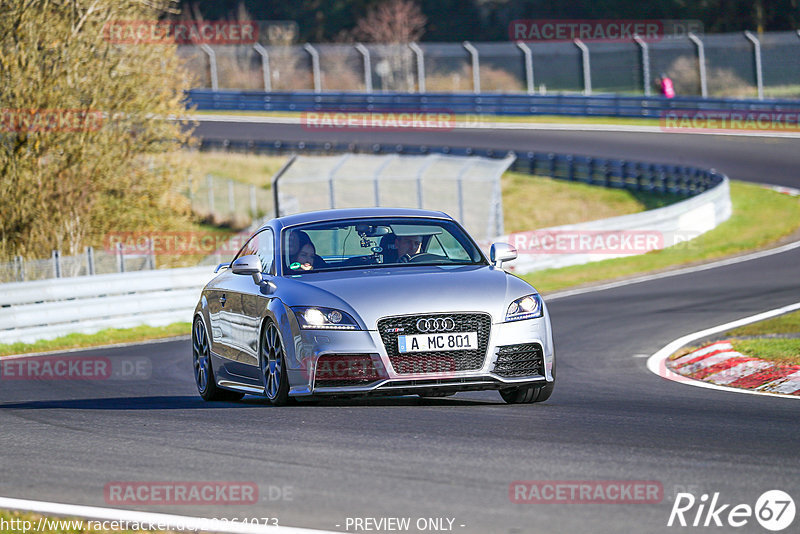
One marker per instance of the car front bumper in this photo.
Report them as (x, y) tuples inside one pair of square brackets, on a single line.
[(315, 349)]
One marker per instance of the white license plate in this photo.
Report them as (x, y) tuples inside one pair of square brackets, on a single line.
[(437, 342)]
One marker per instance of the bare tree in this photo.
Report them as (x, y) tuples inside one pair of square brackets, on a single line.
[(393, 21)]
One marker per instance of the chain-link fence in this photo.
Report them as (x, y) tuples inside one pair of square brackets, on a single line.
[(467, 188), (730, 66), (224, 200), (92, 261)]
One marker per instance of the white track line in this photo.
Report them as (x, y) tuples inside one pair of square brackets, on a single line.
[(624, 128), (676, 272), (166, 521), (657, 362)]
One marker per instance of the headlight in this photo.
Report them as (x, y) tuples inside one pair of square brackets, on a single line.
[(528, 307), (316, 318)]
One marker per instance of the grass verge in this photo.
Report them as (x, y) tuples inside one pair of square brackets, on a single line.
[(783, 324), (470, 118), (108, 336), (770, 347), (779, 350), (760, 217)]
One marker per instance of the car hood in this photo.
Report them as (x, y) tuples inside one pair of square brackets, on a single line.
[(370, 294)]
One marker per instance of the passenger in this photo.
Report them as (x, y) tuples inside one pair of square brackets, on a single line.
[(297, 239), (302, 253), (306, 257), (408, 246)]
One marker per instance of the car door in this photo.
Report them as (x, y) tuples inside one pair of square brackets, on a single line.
[(248, 301)]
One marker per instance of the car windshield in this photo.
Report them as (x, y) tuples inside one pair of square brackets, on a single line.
[(376, 242)]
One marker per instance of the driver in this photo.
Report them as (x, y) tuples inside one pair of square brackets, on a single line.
[(408, 246)]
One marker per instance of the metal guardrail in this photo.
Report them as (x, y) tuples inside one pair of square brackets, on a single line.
[(606, 172), (462, 103), (46, 309)]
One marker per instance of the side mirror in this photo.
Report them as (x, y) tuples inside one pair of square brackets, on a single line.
[(250, 264), (502, 252)]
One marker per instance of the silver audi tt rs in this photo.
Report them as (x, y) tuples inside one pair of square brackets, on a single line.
[(370, 302)]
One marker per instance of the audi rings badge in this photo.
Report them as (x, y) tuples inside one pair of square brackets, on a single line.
[(436, 324)]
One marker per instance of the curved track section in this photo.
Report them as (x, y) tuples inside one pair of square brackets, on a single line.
[(753, 159), (609, 418)]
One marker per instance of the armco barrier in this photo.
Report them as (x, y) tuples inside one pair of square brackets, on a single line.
[(45, 309), (463, 103), (675, 224)]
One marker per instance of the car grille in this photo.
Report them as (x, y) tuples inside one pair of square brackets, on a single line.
[(340, 370), (519, 360), (441, 361)]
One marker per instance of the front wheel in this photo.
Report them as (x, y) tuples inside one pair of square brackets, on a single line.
[(529, 394), (273, 366), (203, 371)]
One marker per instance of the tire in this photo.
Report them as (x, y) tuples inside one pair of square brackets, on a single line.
[(203, 371), (530, 394), (273, 366)]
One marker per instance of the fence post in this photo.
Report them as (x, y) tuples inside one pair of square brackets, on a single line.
[(420, 66), (314, 66), (120, 258), (476, 66), (20, 268), (265, 70), (377, 176), (56, 264), (332, 175), (275, 179), (90, 260), (701, 63), (431, 160), (253, 202), (210, 185), (587, 66), (231, 199), (151, 253), (757, 58), (367, 66), (212, 65), (528, 66), (191, 193), (645, 64)]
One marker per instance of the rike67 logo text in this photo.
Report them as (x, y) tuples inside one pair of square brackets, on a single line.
[(774, 510)]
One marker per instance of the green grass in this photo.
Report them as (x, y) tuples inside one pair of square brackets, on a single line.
[(103, 337), (567, 203), (760, 217), (784, 324), (785, 351), (255, 169)]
